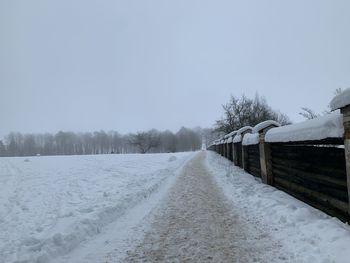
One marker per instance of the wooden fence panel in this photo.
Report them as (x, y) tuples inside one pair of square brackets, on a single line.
[(313, 174), (253, 160), (239, 153), (230, 155)]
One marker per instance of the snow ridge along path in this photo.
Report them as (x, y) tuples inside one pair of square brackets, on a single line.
[(196, 223), (55, 207)]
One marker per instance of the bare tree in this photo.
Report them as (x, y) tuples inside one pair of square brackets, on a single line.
[(2, 149), (188, 140), (145, 141), (338, 91), (29, 145), (244, 111), (308, 113), (168, 142)]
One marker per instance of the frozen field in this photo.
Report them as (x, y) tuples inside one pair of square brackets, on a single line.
[(192, 207), (50, 205)]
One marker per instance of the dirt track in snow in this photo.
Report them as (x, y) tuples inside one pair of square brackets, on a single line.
[(197, 224)]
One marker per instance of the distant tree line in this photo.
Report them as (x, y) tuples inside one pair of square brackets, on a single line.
[(101, 142)]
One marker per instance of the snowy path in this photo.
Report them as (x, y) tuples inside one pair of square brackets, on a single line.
[(196, 223)]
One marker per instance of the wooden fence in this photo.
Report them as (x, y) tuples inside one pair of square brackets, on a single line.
[(314, 173), (238, 154), (309, 161), (252, 160)]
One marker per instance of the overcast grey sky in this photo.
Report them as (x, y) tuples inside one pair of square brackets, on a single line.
[(133, 65)]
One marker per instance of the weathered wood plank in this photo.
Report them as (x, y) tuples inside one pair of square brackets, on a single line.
[(319, 177), (255, 172), (322, 199), (239, 154), (314, 155), (329, 210), (327, 141), (253, 160), (338, 193), (316, 175), (326, 169)]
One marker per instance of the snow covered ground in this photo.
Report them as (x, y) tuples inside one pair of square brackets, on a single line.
[(91, 209), (307, 234), (52, 206)]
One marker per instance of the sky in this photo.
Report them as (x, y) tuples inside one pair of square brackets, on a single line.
[(134, 65)]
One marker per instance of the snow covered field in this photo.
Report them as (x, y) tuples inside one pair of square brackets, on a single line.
[(98, 208), (306, 234), (49, 206)]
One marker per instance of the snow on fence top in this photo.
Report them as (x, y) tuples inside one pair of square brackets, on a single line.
[(341, 100), (237, 138), (231, 134), (329, 126), (229, 140), (262, 125), (245, 128), (251, 139)]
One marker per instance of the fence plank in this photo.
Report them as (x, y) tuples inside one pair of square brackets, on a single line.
[(317, 174), (253, 160)]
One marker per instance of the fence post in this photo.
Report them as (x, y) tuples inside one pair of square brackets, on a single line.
[(342, 102), (346, 122), (265, 159), (245, 152), (265, 151)]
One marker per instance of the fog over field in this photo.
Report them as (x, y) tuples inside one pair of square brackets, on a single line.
[(135, 65)]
